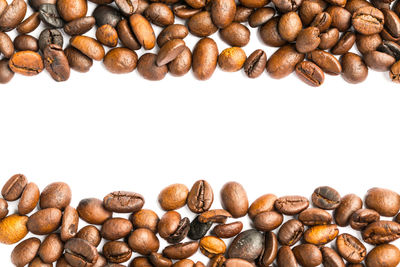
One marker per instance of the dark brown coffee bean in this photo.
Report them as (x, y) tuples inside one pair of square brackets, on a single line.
[(57, 65), (386, 202), (354, 68), (3, 208), (79, 26), (341, 18), (291, 205), (270, 34), (13, 188), (116, 228), (117, 251), (123, 202), (308, 40), (390, 48), (26, 42), (145, 219), (79, 252), (310, 73), (235, 34), (290, 26), (56, 195), (6, 74), (159, 14), (78, 61), (147, 67), (255, 64), (48, 13), (12, 15), (344, 44), (143, 31), (311, 8), (242, 13), (271, 250), (92, 211), (308, 255), (88, 46), (381, 232), (69, 224), (322, 21), (362, 217), (329, 39), (169, 51), (120, 60), (330, 258), (262, 204), (326, 197), (45, 221), (183, 11), (6, 45), (378, 61), (315, 216), (51, 248), (228, 230), (50, 36), (285, 257), (368, 20), (205, 55), (223, 12), (254, 3), (25, 251), (350, 248), (200, 197), (211, 246), (348, 205), (383, 255), (232, 59), (91, 234), (248, 245), (72, 9), (290, 232), (127, 7), (105, 14), (144, 241), (367, 43), (201, 24), (283, 61), (181, 250), (234, 198), (125, 34), (321, 234), (198, 229)]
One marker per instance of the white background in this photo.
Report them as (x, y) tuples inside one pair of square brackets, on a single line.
[(101, 132)]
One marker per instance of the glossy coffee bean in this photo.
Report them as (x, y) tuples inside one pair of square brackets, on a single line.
[(72, 9), (378, 61), (6, 45), (322, 21), (285, 257), (308, 255), (231, 60), (394, 72), (80, 252), (158, 259), (69, 223), (120, 60), (88, 46), (6, 74), (290, 26), (27, 63), (330, 65), (348, 205), (92, 211), (367, 43), (181, 64), (383, 255), (262, 204), (50, 36), (126, 36), (145, 219), (290, 232), (117, 251), (350, 248), (159, 14), (228, 230), (198, 229), (143, 31), (285, 6), (211, 246), (147, 67), (26, 42), (181, 251), (248, 245), (321, 234), (44, 221), (235, 34), (140, 262), (175, 31), (242, 13), (310, 73), (143, 241), (329, 39), (362, 217), (311, 8), (25, 251), (344, 44), (308, 40), (331, 258), (255, 63), (270, 251), (326, 198), (51, 248), (368, 20), (386, 202), (269, 33), (13, 229), (56, 63), (116, 228), (48, 13), (341, 18), (107, 35), (56, 195), (381, 232), (315, 216), (105, 14), (78, 61), (261, 16), (223, 12), (12, 15), (184, 11), (79, 26), (205, 55), (283, 61), (91, 234), (169, 51), (201, 24), (233, 195)]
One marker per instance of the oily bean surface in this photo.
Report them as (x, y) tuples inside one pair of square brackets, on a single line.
[(56, 63)]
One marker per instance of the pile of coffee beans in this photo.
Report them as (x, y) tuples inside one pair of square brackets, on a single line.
[(309, 35), (286, 231)]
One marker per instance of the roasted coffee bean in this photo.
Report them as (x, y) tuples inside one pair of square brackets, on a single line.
[(25, 251), (390, 48), (50, 36), (231, 60), (120, 60), (223, 12), (354, 68), (79, 252), (329, 39), (44, 221), (13, 188), (383, 255), (329, 64), (283, 61), (78, 61), (12, 15), (367, 43), (200, 197), (394, 73), (242, 13), (290, 232), (140, 262), (310, 73), (175, 31), (315, 216), (6, 74), (211, 246), (228, 230), (13, 229), (285, 6), (123, 202), (3, 208), (350, 248), (233, 195), (201, 24), (321, 234), (326, 198), (117, 251), (378, 61), (386, 202), (248, 245), (6, 45), (353, 5), (56, 195), (145, 219), (51, 248), (269, 33), (159, 14), (143, 31), (116, 228), (271, 250), (127, 7), (173, 197), (311, 8), (158, 259), (362, 217), (218, 261), (169, 51), (348, 205), (26, 42), (172, 228), (254, 3), (331, 258), (105, 14), (37, 262), (107, 35), (91, 234), (88, 46), (235, 34), (184, 263), (290, 26), (308, 40), (285, 257), (308, 255), (69, 224), (147, 67), (181, 251), (268, 221), (198, 229), (184, 11), (391, 22), (344, 44), (48, 13), (143, 241), (142, 5), (126, 35), (322, 21), (102, 261), (79, 26), (27, 63), (92, 211), (205, 55), (368, 20), (262, 204), (291, 205), (72, 9), (341, 18), (381, 232), (255, 64), (56, 63), (181, 64)]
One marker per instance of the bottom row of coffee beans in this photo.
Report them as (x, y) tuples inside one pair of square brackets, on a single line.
[(286, 231)]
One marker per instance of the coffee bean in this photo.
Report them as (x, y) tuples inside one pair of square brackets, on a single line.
[(6, 74), (116, 228), (383, 255), (368, 20), (344, 44), (290, 232), (248, 245), (219, 260), (331, 258), (79, 26), (69, 223), (321, 234), (283, 61), (56, 195), (88, 46), (79, 252), (285, 257), (232, 59), (234, 198), (322, 21), (341, 18), (117, 251), (367, 43), (354, 68), (56, 64), (285, 6), (169, 51), (141, 262), (350, 248), (255, 63), (48, 14), (13, 229), (353, 5), (184, 263), (50, 36), (310, 73), (175, 31), (145, 219), (44, 221), (381, 232), (102, 261), (228, 230), (181, 251), (51, 248), (223, 12), (120, 60), (123, 202), (262, 204), (107, 35), (268, 221), (3, 208), (92, 211), (13, 188), (143, 31), (144, 241), (270, 251), (158, 259), (126, 35), (311, 8), (290, 26), (261, 16), (211, 246), (26, 42), (159, 14), (172, 228), (308, 255), (308, 40), (386, 202), (326, 198), (37, 262), (127, 7), (72, 9), (378, 61), (12, 15), (205, 55), (198, 229), (35, 4), (269, 33), (394, 73), (105, 14), (91, 234), (328, 39), (147, 67), (78, 61), (390, 48), (6, 45), (315, 216), (201, 24), (348, 205), (362, 217), (200, 197), (27, 63), (25, 251), (235, 34), (184, 11), (242, 13)]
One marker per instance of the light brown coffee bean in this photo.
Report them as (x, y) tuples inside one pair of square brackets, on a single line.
[(91, 234), (283, 61), (143, 241), (30, 24), (235, 34), (354, 68), (116, 228), (385, 201), (13, 229), (56, 195), (268, 221), (92, 211), (148, 68), (143, 31), (88, 46), (262, 204), (290, 26), (120, 60), (44, 221), (51, 248), (234, 198), (211, 246), (201, 24), (12, 15), (169, 51), (205, 55), (145, 219), (25, 251), (223, 12), (69, 223), (6, 45), (29, 199), (321, 234), (232, 59)]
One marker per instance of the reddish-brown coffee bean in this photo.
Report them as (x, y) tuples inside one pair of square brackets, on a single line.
[(69, 224), (29, 199), (45, 221), (173, 197), (169, 51), (310, 73), (350, 248), (107, 35), (308, 40), (348, 205), (228, 230), (315, 216), (159, 14), (56, 63), (269, 33), (254, 3), (123, 202), (308, 255), (181, 251), (205, 55), (120, 60), (362, 217), (260, 16), (367, 43), (30, 24), (291, 205), (79, 252), (92, 211), (127, 7), (271, 249), (79, 26), (341, 18), (147, 67), (235, 34), (262, 204), (383, 255), (56, 195), (322, 21), (184, 11), (368, 20), (51, 248), (145, 219), (25, 251), (37, 262), (72, 9), (354, 68), (234, 198), (175, 31), (143, 241), (91, 234), (172, 228), (116, 228), (117, 252), (285, 257), (88, 46), (232, 59), (311, 8), (223, 12), (255, 64), (386, 202), (12, 15), (143, 31), (201, 24), (14, 187), (326, 197), (344, 44), (394, 73), (158, 259), (268, 221), (326, 61), (141, 262), (6, 45), (378, 61), (290, 232), (381, 232), (26, 42), (329, 39), (331, 258), (242, 13), (290, 26), (3, 208), (125, 34), (353, 5), (283, 61)]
